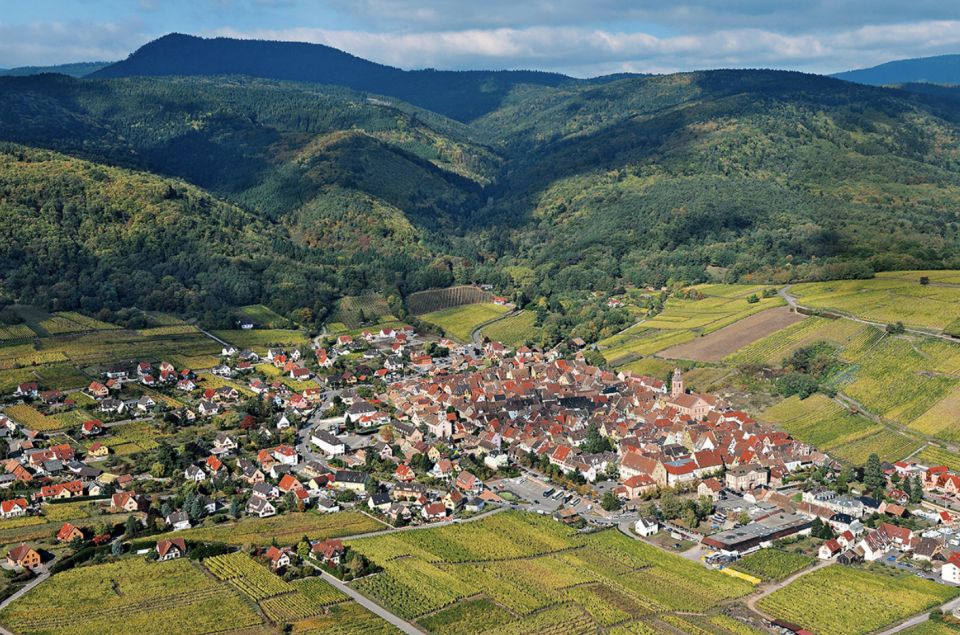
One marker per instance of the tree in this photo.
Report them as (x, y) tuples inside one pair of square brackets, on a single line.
[(116, 548), (896, 328), (670, 507), (610, 502), (916, 490), (594, 442), (873, 477), (132, 526), (842, 486), (235, 507)]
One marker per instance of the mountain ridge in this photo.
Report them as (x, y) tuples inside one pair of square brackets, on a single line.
[(937, 69)]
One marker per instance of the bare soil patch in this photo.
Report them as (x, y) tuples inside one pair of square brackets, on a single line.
[(717, 345)]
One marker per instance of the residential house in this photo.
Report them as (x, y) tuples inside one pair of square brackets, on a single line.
[(171, 549), (23, 556)]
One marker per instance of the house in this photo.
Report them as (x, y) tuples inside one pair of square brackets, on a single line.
[(286, 455), (69, 533), (23, 556), (278, 557), (329, 551), (710, 488), (327, 505), (29, 389), (124, 502), (13, 508), (178, 521), (261, 507), (223, 443), (208, 408), (171, 549), (646, 527), (98, 450), (113, 405), (379, 501), (289, 483), (328, 443), (468, 483), (349, 480), (404, 473), (434, 511), (829, 549), (97, 390), (442, 469), (195, 474), (950, 572), (746, 477)]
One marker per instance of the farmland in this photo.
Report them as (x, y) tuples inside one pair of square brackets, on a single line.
[(513, 330), (829, 426), (149, 596), (458, 322), (288, 528), (844, 601), (719, 344), (261, 339), (707, 308), (772, 565), (526, 564), (438, 299), (354, 311), (131, 438), (890, 297), (264, 316), (346, 618), (773, 349)]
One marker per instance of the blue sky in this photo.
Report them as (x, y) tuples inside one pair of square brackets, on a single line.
[(578, 37)]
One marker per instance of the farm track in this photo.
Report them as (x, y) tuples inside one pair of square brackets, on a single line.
[(477, 337)]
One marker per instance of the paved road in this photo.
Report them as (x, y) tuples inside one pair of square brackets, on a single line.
[(475, 335), (372, 606)]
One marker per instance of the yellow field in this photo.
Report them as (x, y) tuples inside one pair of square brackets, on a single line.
[(458, 322), (513, 330), (890, 297)]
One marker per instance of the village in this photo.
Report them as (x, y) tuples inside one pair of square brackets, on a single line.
[(410, 431)]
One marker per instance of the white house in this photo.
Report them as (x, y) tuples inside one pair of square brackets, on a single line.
[(328, 443), (646, 527)]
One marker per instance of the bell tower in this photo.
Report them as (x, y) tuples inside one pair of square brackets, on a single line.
[(676, 385)]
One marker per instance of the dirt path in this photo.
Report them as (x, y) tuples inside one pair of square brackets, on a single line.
[(477, 337), (767, 590)]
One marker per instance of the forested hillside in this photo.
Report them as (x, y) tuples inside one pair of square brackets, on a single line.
[(559, 190)]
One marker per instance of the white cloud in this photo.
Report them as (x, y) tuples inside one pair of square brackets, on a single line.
[(44, 43), (587, 51)]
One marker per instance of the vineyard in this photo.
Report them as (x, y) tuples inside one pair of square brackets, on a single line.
[(513, 330), (773, 349), (824, 423), (889, 297), (264, 316), (286, 529), (438, 299), (534, 567), (845, 601), (130, 596), (354, 311), (262, 339), (32, 418), (935, 455), (131, 438), (772, 565), (460, 321), (15, 332), (347, 618)]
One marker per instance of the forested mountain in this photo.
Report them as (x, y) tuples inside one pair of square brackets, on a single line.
[(940, 69), (737, 175), (461, 95), (78, 69)]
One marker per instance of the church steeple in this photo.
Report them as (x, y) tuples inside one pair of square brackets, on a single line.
[(676, 385)]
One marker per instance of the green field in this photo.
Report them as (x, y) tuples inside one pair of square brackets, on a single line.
[(936, 455), (684, 319), (890, 297), (130, 596), (527, 565), (773, 349), (839, 600), (287, 529), (772, 565), (830, 427), (264, 316), (262, 339), (353, 311), (459, 322), (513, 330)]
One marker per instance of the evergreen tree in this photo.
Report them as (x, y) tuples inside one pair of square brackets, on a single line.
[(873, 477)]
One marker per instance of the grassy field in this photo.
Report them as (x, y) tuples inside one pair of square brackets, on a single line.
[(772, 565), (840, 600), (890, 297), (684, 319), (287, 529), (459, 321), (829, 426), (264, 316), (129, 596), (353, 311), (540, 574), (513, 330)]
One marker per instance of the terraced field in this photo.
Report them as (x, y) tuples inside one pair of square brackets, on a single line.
[(830, 427), (542, 575), (840, 600), (890, 297), (459, 322)]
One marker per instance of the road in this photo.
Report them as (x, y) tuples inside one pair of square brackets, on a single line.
[(475, 335), (693, 554), (26, 588), (371, 606), (756, 597), (920, 618)]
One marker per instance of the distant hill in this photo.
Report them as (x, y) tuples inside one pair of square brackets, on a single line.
[(462, 95), (942, 69), (78, 69)]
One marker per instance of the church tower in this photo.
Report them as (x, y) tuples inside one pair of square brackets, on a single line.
[(676, 385)]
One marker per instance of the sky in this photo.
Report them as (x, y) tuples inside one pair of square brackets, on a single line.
[(578, 37)]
